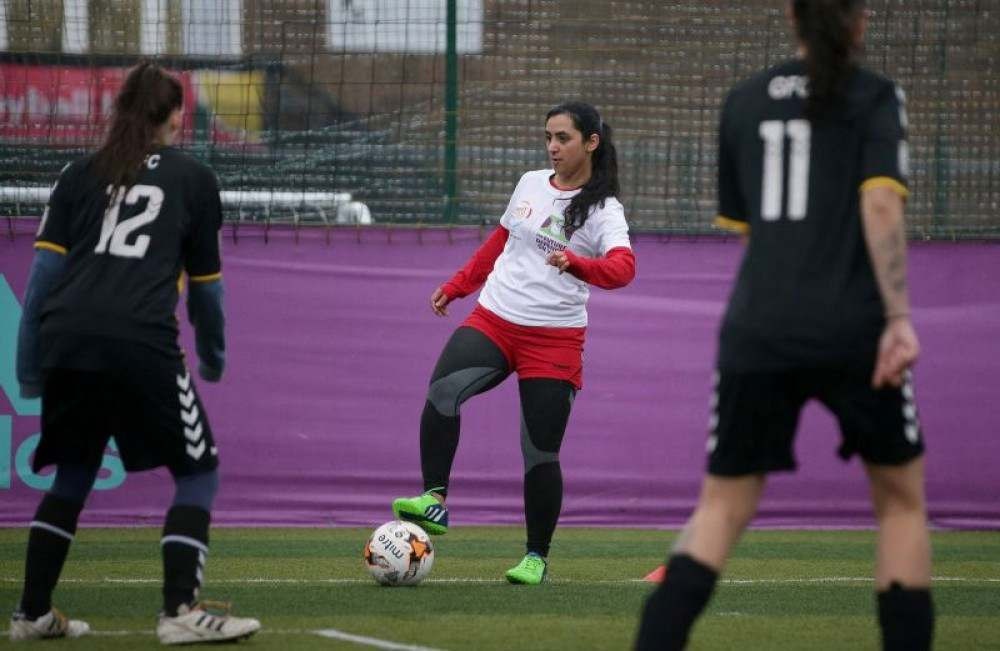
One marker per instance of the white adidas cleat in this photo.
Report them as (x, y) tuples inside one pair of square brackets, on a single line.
[(194, 624), (50, 625)]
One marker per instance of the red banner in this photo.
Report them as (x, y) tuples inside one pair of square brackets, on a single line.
[(66, 105)]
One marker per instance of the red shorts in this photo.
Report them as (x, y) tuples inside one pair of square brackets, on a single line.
[(534, 351)]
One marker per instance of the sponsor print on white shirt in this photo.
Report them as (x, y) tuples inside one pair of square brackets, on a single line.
[(522, 288)]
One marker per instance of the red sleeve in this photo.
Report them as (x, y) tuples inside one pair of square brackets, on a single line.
[(616, 269), (472, 276)]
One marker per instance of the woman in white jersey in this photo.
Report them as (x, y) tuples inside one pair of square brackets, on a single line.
[(563, 230)]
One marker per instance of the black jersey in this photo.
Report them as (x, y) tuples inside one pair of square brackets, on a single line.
[(126, 250), (806, 294)]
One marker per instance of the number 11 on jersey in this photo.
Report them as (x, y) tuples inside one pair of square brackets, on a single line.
[(773, 133)]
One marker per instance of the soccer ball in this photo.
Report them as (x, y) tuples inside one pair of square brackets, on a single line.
[(399, 553)]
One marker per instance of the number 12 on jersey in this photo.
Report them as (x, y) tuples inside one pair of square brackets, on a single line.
[(116, 233), (773, 133)]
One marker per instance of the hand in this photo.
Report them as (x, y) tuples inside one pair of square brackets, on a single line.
[(439, 302), (31, 390), (898, 349), (208, 373), (559, 260)]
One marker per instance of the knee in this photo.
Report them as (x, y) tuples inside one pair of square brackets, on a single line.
[(196, 490), (898, 494), (543, 466), (732, 516), (446, 394), (537, 453), (73, 482), (443, 397), (545, 408), (900, 503), (732, 498)]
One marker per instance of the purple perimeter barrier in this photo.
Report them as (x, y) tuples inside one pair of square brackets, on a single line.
[(331, 346)]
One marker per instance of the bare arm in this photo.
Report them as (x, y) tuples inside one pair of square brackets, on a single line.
[(882, 217)]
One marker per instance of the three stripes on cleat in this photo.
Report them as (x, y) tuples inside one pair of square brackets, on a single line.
[(435, 512)]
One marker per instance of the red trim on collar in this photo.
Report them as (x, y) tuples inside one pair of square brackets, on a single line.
[(552, 182)]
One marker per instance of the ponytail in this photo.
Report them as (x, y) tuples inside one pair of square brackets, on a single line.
[(826, 29), (145, 101), (603, 182)]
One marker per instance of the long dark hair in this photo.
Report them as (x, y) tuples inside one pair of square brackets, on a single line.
[(603, 181), (145, 101), (826, 28)]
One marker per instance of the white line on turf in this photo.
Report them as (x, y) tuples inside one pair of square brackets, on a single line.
[(852, 579), (264, 631), (269, 581), (335, 634)]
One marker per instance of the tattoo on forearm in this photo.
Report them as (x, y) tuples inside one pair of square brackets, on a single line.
[(893, 253)]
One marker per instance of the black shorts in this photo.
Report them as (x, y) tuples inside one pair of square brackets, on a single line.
[(149, 405), (755, 417)]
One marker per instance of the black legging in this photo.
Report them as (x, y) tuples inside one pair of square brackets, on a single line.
[(471, 364)]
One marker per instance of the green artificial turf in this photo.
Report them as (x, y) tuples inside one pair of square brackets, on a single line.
[(782, 590)]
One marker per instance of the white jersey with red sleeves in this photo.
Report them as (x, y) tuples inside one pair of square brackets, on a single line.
[(522, 288)]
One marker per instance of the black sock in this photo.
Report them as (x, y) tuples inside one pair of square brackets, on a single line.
[(906, 617), (49, 539), (542, 503), (438, 444), (184, 546), (672, 608)]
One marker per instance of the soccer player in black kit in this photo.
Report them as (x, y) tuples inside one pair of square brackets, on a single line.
[(812, 168), (98, 343)]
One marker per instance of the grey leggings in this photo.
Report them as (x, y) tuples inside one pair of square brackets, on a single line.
[(471, 364)]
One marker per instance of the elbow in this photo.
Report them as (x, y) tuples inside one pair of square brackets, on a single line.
[(628, 281), (624, 282), (882, 212), (205, 310), (626, 272), (623, 279), (881, 208), (880, 221), (617, 280)]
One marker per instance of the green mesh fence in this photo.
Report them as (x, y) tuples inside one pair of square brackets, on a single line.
[(348, 95)]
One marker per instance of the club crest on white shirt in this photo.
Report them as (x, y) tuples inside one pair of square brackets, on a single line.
[(522, 210)]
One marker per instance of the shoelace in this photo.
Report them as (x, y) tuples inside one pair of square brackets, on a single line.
[(59, 622), (218, 608), (533, 563)]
